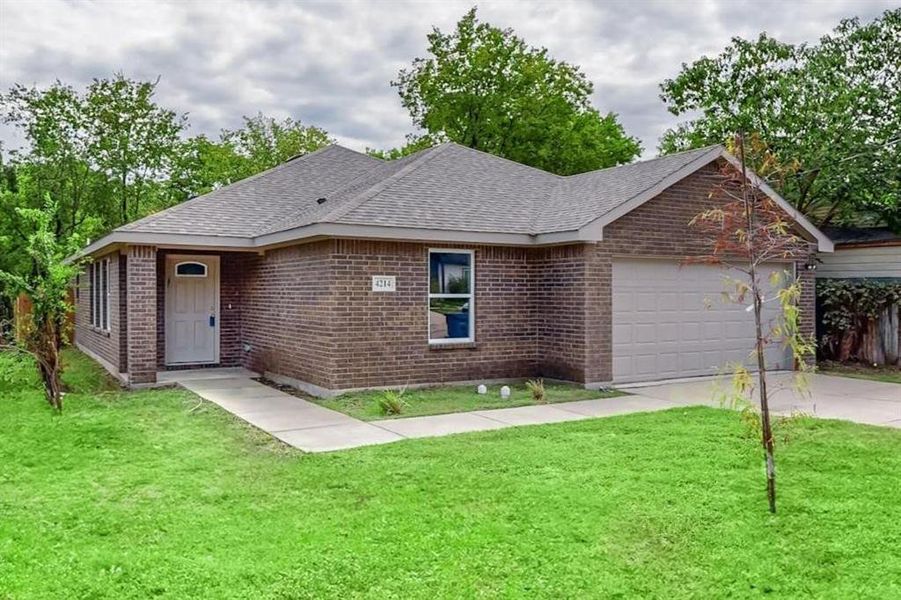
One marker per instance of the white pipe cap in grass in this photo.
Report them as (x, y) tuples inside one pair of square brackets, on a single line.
[(482, 389), (505, 392)]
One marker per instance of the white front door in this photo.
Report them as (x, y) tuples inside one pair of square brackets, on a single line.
[(669, 321), (192, 309)]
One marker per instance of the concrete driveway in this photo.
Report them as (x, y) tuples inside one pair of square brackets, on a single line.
[(827, 397)]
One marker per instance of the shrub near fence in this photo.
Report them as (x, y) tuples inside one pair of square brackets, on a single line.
[(859, 320)]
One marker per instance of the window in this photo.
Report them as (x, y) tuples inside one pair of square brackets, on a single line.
[(190, 269), (451, 310), (98, 273)]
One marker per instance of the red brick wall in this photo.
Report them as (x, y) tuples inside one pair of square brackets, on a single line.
[(287, 313), (106, 345), (562, 282), (382, 338), (141, 290)]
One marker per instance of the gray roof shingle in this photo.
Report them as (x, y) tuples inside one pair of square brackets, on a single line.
[(253, 205), (448, 187)]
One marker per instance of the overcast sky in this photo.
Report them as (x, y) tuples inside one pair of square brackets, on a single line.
[(330, 63)]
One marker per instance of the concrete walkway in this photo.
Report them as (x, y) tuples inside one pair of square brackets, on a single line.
[(293, 420), (312, 428)]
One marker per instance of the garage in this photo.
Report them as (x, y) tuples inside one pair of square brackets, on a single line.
[(671, 321)]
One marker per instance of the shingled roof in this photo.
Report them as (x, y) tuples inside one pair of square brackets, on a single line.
[(449, 188)]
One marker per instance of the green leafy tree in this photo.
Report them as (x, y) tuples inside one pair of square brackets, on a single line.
[(57, 161), (485, 88), (104, 154), (414, 144), (262, 143), (46, 282), (829, 114), (133, 141)]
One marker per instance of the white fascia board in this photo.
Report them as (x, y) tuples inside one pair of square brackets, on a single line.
[(393, 233), (326, 230), (592, 232), (138, 238)]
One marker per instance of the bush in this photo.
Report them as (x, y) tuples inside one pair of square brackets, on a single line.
[(851, 312), (536, 386), (391, 402), (17, 371)]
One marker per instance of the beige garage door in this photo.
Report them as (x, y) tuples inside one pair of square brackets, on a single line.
[(670, 321)]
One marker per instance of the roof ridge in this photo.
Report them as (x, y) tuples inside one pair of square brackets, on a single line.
[(375, 189), (240, 182), (266, 227), (509, 160)]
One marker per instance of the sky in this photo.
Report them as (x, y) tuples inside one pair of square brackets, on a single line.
[(330, 64)]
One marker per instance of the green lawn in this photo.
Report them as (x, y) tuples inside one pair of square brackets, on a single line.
[(858, 371), (138, 495), (450, 399)]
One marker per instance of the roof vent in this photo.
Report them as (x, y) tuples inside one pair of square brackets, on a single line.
[(321, 200)]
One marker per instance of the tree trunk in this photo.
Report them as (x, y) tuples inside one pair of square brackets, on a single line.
[(766, 429)]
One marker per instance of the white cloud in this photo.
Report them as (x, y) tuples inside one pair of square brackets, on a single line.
[(330, 64)]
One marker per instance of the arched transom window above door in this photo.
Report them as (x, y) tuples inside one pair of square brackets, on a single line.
[(190, 269)]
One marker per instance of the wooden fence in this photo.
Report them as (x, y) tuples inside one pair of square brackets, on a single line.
[(22, 309)]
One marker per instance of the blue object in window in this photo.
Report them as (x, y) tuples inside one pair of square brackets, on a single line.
[(457, 325)]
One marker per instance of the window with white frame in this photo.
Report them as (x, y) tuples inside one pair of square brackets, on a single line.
[(98, 274), (451, 297)]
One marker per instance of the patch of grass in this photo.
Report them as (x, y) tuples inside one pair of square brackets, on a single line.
[(451, 399), (888, 374), (133, 495), (83, 375)]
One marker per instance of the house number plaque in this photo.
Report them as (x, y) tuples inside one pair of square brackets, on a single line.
[(384, 283)]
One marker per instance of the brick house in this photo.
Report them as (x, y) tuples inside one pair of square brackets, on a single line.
[(338, 271)]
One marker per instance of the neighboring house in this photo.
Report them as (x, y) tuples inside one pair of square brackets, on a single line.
[(337, 271), (862, 253), (872, 253)]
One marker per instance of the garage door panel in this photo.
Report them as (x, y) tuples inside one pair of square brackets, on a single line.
[(672, 321), (623, 332), (646, 302), (690, 331), (668, 332)]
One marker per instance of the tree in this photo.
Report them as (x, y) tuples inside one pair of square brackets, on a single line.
[(261, 144), (748, 229), (829, 113), (132, 140), (485, 88), (414, 144), (264, 142), (46, 283), (57, 161), (102, 154)]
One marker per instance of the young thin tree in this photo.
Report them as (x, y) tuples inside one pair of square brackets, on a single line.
[(46, 282), (748, 229)]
